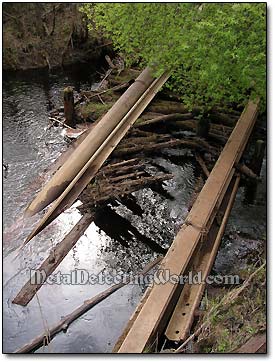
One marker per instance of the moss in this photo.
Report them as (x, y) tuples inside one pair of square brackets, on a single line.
[(93, 110)]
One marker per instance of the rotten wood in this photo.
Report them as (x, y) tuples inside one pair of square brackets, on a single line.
[(68, 97), (72, 189), (167, 107), (148, 148), (97, 194), (162, 118), (256, 344), (246, 171)]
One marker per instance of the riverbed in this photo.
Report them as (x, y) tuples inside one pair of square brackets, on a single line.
[(29, 147)]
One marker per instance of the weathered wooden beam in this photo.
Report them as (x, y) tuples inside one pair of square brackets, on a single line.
[(162, 118), (198, 222), (256, 344), (73, 189), (53, 260), (68, 97), (68, 171), (183, 316)]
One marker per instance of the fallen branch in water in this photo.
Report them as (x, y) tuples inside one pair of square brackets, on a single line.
[(62, 123), (118, 87), (101, 193), (63, 325)]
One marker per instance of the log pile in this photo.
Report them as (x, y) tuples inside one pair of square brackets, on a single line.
[(117, 180), (165, 124)]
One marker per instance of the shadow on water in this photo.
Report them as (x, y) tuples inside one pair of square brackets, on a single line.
[(120, 229)]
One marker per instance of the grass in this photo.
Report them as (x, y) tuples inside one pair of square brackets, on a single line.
[(94, 110), (231, 320)]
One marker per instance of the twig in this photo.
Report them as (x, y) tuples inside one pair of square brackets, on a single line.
[(62, 123), (101, 100), (109, 71), (117, 87)]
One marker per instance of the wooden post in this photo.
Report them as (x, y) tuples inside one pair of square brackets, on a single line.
[(69, 106), (203, 128), (257, 160), (256, 166)]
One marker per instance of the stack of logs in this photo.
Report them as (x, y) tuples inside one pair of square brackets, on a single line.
[(165, 124)]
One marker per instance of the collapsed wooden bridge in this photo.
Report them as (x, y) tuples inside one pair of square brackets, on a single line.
[(194, 248), (166, 309)]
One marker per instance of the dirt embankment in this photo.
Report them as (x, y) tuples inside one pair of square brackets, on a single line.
[(37, 35)]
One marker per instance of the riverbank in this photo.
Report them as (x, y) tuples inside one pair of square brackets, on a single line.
[(45, 35)]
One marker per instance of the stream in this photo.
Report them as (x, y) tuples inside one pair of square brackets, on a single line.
[(121, 240)]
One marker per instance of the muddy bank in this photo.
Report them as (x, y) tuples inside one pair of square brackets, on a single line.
[(45, 35)]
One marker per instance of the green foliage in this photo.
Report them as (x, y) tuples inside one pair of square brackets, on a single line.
[(216, 50)]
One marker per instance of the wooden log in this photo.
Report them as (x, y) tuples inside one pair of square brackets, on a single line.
[(166, 107), (216, 134), (68, 171), (136, 141), (118, 171), (54, 259), (202, 128), (246, 171), (94, 196), (90, 168), (162, 118), (65, 322), (222, 118), (196, 144), (68, 97), (135, 174), (257, 160)]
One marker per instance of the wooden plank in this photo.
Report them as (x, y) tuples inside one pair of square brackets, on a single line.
[(256, 344), (183, 315), (203, 211)]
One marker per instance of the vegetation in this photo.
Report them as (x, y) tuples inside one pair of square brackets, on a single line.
[(230, 320), (217, 51), (39, 35)]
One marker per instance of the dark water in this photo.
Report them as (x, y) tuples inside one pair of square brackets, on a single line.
[(105, 247)]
